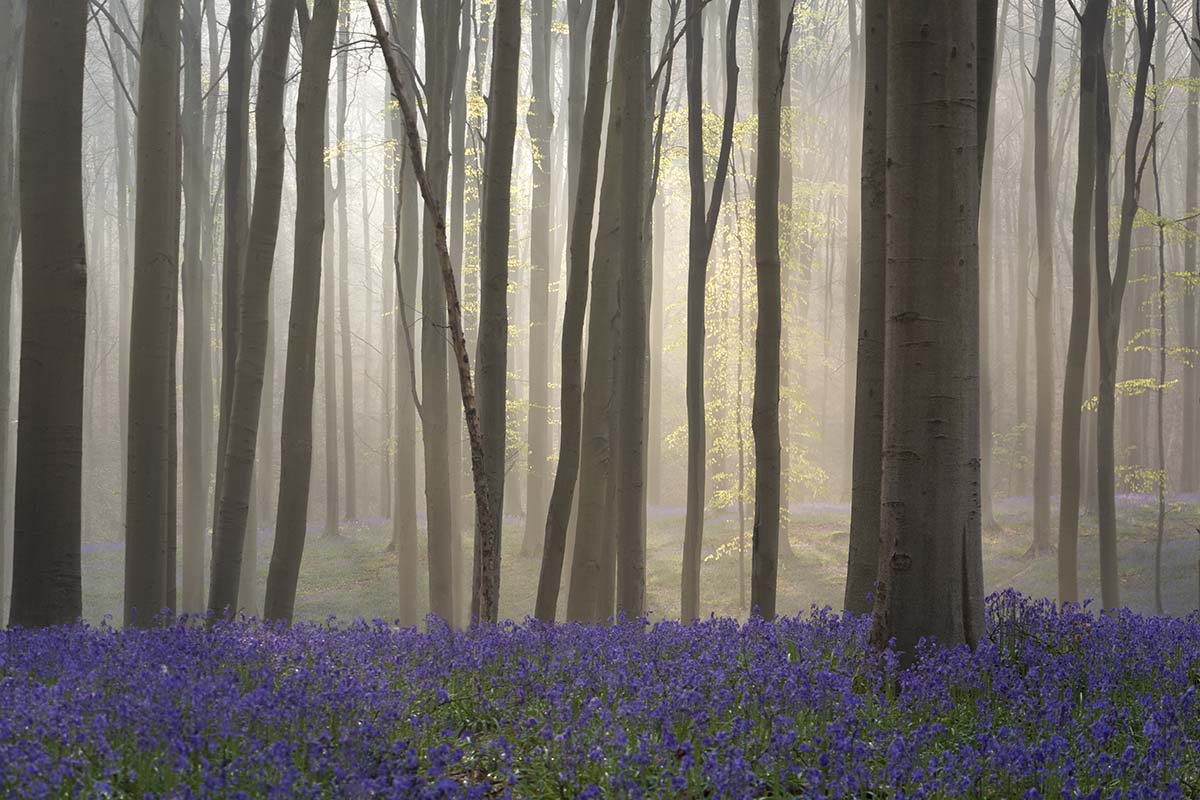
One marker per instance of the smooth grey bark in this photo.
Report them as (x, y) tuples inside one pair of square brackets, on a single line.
[(493, 297), (1110, 291), (12, 23), (770, 68), (865, 506), (149, 534), (343, 245), (296, 431), (195, 320), (1189, 476), (124, 189), (703, 215), (540, 121), (583, 205), (1044, 296), (241, 444), (930, 559), (1092, 24), (329, 354), (47, 587), (237, 215), (388, 320)]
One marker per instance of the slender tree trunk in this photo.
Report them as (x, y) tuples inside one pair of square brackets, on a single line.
[(121, 130), (148, 534), (930, 561), (296, 435), (853, 253), (1094, 19), (702, 228), (237, 215), (46, 526), (868, 405), (1110, 291), (1044, 298), (329, 355), (579, 256), (254, 326), (541, 128), (12, 23), (1160, 394), (388, 321), (195, 330), (343, 201), (1189, 477), (772, 61)]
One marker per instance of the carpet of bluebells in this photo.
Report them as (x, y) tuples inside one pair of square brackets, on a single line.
[(1054, 704)]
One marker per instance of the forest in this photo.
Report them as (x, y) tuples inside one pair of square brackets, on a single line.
[(599, 398)]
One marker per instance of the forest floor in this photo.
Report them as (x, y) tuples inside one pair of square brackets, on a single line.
[(352, 576)]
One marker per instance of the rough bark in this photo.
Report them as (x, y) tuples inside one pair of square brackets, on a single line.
[(868, 403), (149, 534), (930, 557), (46, 525), (296, 433), (578, 266)]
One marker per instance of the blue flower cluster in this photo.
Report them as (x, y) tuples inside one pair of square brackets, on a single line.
[(1056, 703)]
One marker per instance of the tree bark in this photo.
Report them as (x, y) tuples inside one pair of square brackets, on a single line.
[(343, 232), (869, 387), (1092, 22), (1044, 297), (244, 412), (46, 526), (296, 433), (930, 558), (1189, 477), (562, 495), (148, 533)]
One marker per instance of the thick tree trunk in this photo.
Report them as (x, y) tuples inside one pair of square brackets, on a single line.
[(493, 306), (1094, 19), (1110, 291), (930, 556), (1044, 297), (541, 128), (296, 435), (149, 536), (241, 442), (579, 256), (46, 526), (343, 243), (868, 404), (765, 420)]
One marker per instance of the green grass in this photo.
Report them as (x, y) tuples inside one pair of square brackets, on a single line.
[(353, 575)]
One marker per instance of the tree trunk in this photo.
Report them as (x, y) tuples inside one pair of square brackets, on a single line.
[(702, 229), (242, 440), (630, 477), (868, 404), (46, 526), (148, 533), (541, 128), (772, 61), (1110, 291), (1189, 477), (343, 200), (329, 354), (583, 203), (1044, 297), (296, 434), (1094, 19), (930, 559)]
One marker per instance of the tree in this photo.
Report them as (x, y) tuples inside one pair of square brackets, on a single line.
[(244, 412), (493, 296), (149, 528), (1044, 299), (541, 127), (771, 66), (1189, 478), (583, 204), (869, 387), (1110, 292), (702, 230), (343, 244), (296, 434), (930, 569), (1087, 184), (46, 526), (12, 23)]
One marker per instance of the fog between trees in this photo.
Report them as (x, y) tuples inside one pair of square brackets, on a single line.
[(737, 291)]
